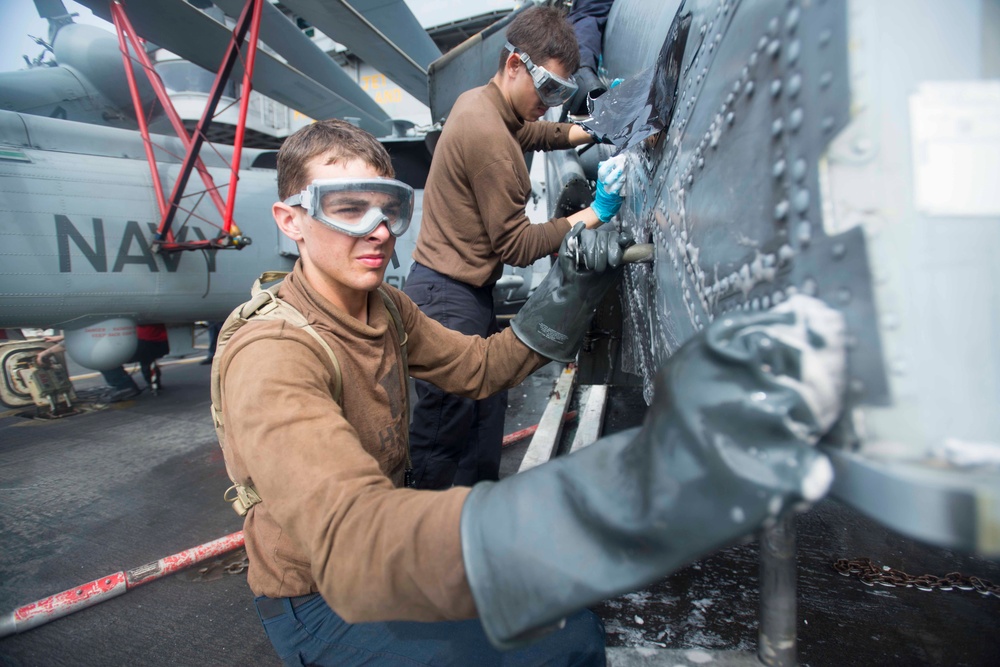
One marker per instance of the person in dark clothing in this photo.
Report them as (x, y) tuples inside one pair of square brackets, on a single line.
[(152, 344), (213, 341), (588, 18), (474, 222)]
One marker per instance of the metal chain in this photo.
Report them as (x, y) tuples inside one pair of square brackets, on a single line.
[(871, 574), (238, 566)]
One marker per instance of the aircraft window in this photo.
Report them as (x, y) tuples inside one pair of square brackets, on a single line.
[(185, 77)]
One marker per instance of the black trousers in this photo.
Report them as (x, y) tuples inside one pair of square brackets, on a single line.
[(454, 440), (589, 17), (146, 352)]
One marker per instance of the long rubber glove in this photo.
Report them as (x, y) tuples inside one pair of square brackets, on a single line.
[(555, 318), (726, 447)]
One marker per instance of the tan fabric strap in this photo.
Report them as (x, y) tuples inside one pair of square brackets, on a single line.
[(264, 304)]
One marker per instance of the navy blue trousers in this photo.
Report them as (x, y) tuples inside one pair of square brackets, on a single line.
[(313, 634), (146, 352), (454, 440), (588, 18)]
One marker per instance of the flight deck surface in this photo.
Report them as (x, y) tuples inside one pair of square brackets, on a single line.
[(119, 487)]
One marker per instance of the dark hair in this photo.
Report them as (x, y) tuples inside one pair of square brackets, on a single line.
[(340, 139), (544, 34)]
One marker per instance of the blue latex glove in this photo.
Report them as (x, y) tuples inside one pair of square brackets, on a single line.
[(610, 179)]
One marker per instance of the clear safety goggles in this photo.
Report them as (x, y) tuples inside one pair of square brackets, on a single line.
[(357, 206), (552, 89)]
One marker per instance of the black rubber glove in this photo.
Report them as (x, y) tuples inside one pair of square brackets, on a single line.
[(589, 86), (727, 446), (554, 320)]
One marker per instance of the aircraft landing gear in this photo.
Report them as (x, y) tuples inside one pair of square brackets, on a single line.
[(24, 383)]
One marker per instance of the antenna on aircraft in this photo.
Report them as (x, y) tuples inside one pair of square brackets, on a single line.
[(53, 11)]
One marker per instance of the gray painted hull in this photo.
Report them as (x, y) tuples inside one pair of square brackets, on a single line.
[(77, 214)]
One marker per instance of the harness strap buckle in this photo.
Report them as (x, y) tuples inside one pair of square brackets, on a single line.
[(246, 497)]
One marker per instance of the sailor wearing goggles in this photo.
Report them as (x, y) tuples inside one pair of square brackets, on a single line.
[(553, 89), (474, 220), (357, 206)]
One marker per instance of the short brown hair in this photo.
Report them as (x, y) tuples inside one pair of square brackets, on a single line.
[(339, 138), (544, 34)]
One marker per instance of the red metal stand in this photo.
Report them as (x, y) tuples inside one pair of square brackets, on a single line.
[(229, 236)]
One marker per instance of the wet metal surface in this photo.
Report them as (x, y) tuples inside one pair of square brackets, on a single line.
[(797, 161), (729, 191), (644, 104)]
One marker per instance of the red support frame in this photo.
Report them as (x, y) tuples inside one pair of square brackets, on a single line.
[(230, 236)]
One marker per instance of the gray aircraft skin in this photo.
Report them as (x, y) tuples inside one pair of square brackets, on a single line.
[(844, 150), (86, 79), (798, 159), (75, 240), (85, 82), (85, 192)]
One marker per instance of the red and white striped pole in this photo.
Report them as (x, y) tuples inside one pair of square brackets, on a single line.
[(93, 592)]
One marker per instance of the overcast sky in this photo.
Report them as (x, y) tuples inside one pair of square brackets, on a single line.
[(19, 19)]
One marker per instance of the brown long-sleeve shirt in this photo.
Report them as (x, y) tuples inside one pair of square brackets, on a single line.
[(333, 518), (474, 217)]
